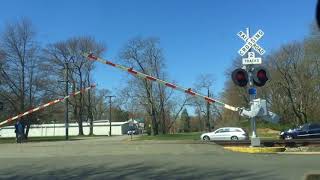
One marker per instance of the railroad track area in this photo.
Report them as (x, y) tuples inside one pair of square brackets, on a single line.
[(273, 142)]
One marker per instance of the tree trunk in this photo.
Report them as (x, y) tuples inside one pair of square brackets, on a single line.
[(162, 112), (155, 130), (27, 131), (90, 115), (200, 121), (80, 129), (80, 118), (91, 125)]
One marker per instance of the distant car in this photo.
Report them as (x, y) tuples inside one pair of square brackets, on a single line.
[(226, 133), (309, 130)]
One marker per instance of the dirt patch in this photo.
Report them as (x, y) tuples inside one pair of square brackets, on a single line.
[(303, 149), (268, 131)]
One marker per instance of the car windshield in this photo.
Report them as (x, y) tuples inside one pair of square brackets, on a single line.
[(299, 127), (303, 127)]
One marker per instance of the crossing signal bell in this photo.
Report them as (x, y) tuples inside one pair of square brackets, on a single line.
[(240, 77), (260, 76)]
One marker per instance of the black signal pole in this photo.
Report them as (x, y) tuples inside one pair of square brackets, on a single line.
[(255, 141)]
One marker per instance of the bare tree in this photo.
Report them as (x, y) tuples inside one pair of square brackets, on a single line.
[(176, 105), (69, 51), (22, 80), (294, 82), (205, 82), (146, 56)]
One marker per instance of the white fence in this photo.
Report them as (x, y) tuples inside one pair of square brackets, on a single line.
[(99, 128)]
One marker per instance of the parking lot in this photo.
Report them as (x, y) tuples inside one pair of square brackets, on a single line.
[(118, 157)]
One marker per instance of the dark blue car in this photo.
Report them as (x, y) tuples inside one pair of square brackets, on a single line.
[(310, 130)]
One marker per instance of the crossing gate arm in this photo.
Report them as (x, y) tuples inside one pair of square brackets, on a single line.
[(45, 105), (140, 75)]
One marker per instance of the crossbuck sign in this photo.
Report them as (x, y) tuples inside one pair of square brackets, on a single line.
[(251, 42)]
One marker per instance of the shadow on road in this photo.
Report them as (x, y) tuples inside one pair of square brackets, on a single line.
[(134, 171)]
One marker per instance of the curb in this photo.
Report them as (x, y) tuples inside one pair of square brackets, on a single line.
[(299, 153), (168, 141), (255, 149)]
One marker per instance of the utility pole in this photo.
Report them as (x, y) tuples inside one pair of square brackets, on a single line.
[(1, 103), (110, 119), (66, 103), (66, 111), (208, 113)]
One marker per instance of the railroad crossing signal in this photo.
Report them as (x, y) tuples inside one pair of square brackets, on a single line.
[(260, 75), (251, 42)]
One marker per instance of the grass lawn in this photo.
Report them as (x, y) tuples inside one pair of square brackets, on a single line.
[(177, 136), (266, 133), (39, 139)]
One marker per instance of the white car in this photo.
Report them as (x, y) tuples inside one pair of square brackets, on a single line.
[(226, 133)]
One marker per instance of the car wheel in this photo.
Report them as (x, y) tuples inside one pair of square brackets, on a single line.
[(206, 138), (288, 137), (234, 138)]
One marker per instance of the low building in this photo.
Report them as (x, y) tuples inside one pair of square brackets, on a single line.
[(100, 127)]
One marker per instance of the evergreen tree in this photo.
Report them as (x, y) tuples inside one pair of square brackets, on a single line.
[(185, 119)]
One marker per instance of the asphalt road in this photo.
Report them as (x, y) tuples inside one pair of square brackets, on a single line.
[(117, 158)]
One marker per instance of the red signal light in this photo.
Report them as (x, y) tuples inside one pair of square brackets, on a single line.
[(260, 76), (240, 77)]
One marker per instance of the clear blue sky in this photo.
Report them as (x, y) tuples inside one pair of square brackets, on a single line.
[(196, 36)]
